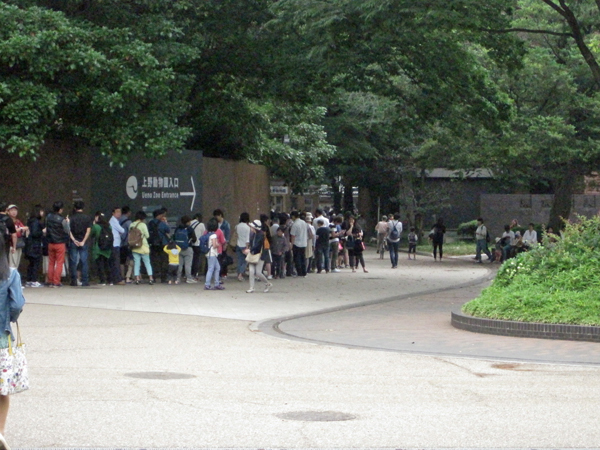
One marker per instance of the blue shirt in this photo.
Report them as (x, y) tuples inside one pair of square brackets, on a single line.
[(11, 297)]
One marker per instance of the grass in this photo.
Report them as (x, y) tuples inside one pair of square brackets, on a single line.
[(558, 282)]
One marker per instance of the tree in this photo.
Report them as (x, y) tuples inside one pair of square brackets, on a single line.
[(70, 80)]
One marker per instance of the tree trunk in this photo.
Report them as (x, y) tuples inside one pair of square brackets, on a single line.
[(563, 199), (348, 197), (337, 196)]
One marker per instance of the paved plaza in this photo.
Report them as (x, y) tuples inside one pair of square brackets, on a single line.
[(348, 360)]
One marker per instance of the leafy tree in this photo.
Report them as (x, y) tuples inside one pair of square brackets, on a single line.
[(60, 79)]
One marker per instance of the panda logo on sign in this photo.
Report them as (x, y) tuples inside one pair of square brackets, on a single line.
[(132, 187)]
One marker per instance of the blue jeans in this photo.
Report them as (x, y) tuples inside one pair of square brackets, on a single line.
[(241, 259), (482, 247), (137, 258), (393, 248), (322, 257), (76, 255), (214, 268)]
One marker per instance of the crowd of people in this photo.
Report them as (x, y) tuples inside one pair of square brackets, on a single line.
[(125, 246)]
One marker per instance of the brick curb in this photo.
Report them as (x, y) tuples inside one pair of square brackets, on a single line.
[(525, 329)]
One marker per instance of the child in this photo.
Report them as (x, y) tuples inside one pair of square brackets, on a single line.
[(172, 249), (212, 257), (279, 248), (412, 243)]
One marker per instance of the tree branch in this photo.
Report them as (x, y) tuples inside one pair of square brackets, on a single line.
[(527, 30), (555, 7)]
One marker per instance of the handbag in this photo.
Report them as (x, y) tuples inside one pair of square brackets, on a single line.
[(14, 375), (253, 259)]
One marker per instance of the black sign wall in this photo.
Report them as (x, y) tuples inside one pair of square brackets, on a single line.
[(173, 182)]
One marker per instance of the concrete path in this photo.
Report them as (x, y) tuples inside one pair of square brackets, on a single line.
[(160, 367)]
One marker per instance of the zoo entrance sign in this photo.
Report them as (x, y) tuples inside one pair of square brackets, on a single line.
[(146, 184)]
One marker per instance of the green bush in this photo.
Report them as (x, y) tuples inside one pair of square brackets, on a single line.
[(557, 282), (467, 229)]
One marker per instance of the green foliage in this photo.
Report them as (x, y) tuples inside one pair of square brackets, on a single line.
[(468, 228), (75, 80), (557, 282)]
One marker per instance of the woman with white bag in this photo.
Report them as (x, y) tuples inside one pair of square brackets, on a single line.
[(13, 375)]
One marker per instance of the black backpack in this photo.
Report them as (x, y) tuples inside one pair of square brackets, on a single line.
[(3, 227), (154, 233), (105, 239)]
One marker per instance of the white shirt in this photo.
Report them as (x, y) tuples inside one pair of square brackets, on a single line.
[(300, 232), (214, 251), (323, 218), (199, 230), (530, 237), (481, 233), (117, 230), (243, 233)]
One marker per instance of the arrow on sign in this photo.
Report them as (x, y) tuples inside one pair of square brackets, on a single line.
[(190, 194)]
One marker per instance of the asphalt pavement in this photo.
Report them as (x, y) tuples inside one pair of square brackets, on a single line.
[(348, 360)]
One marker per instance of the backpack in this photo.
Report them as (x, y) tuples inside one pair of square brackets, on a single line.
[(394, 232), (182, 238), (205, 243), (154, 239), (105, 239), (3, 227), (135, 239)]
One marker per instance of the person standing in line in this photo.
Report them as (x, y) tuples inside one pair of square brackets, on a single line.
[(57, 232), (393, 238), (214, 269), (22, 232), (126, 258), (198, 261), (299, 241), (257, 238), (280, 247), (382, 229), (33, 247), (183, 237), (12, 300), (8, 230), (102, 236), (242, 230), (437, 238), (310, 244), (81, 228), (481, 238), (172, 250), (115, 260), (160, 234), (355, 245), (226, 229), (334, 243), (322, 246), (141, 253)]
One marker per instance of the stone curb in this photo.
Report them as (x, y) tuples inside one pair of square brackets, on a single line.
[(525, 329)]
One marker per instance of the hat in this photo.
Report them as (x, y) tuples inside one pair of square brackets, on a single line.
[(11, 207), (309, 216), (256, 223)]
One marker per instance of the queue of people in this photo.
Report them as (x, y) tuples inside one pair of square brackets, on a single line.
[(125, 246)]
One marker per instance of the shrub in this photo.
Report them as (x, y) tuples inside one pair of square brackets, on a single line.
[(468, 229), (556, 282)]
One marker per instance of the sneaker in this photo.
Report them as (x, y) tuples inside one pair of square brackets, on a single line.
[(268, 287), (101, 284), (249, 291), (79, 283), (270, 277), (190, 281), (36, 284), (151, 282), (208, 288), (240, 277), (336, 270), (219, 288), (120, 283)]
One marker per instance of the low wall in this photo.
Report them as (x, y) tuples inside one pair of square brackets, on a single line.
[(498, 209)]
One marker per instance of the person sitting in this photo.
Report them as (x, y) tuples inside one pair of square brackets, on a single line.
[(508, 242), (530, 236)]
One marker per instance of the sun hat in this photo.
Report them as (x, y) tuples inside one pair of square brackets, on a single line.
[(256, 223)]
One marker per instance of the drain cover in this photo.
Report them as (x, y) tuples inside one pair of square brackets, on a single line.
[(160, 375), (316, 416)]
